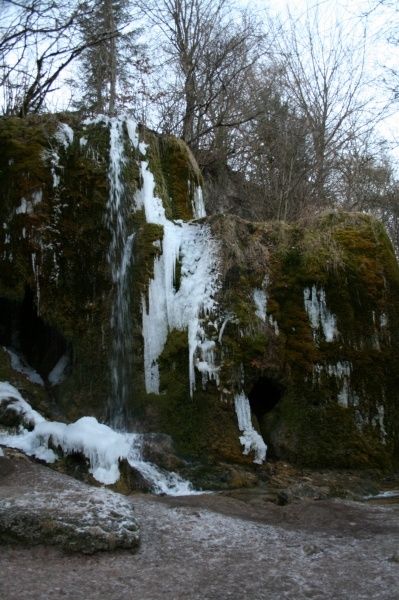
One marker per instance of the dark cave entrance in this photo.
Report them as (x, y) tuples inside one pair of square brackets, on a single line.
[(263, 398), (28, 335)]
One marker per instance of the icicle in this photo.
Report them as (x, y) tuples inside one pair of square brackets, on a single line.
[(250, 439), (168, 308), (318, 313)]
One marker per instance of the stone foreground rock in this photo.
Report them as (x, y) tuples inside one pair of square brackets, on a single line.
[(39, 506)]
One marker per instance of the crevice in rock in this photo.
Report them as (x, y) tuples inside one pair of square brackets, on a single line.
[(264, 396), (26, 334)]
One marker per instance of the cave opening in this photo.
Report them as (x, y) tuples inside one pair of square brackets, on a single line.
[(30, 338), (264, 396)]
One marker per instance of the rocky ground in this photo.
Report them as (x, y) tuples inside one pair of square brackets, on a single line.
[(235, 545)]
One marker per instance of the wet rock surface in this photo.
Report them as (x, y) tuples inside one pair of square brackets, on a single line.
[(229, 545), (39, 506)]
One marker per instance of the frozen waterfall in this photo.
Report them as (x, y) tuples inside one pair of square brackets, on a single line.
[(183, 306)]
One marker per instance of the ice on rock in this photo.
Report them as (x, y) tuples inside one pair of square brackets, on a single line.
[(250, 438), (102, 446), (342, 372), (383, 320), (166, 308), (318, 313), (379, 420), (260, 300), (57, 374), (18, 363), (11, 396), (64, 135), (26, 207), (198, 204)]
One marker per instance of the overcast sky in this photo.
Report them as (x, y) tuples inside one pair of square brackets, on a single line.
[(360, 17)]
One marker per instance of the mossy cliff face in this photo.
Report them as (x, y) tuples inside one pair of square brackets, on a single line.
[(56, 287), (320, 366), (306, 322)]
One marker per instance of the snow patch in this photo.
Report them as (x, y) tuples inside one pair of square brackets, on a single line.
[(250, 439)]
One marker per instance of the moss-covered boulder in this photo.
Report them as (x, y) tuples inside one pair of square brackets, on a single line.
[(300, 320)]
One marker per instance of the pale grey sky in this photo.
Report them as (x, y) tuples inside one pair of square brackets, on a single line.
[(359, 17)]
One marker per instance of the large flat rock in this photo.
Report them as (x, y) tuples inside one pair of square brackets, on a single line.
[(40, 506)]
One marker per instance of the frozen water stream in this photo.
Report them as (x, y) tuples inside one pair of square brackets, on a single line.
[(102, 446)]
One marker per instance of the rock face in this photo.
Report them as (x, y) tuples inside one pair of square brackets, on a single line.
[(293, 334), (38, 506)]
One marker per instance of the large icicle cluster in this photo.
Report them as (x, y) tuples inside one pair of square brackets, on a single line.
[(250, 439), (319, 315), (260, 298), (170, 306)]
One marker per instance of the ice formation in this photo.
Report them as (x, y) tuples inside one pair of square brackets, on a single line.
[(27, 206), (64, 135), (342, 372), (250, 439), (383, 320), (102, 446), (18, 363), (57, 374), (198, 204), (259, 296), (181, 305), (9, 394), (36, 272), (260, 300), (379, 420), (318, 313)]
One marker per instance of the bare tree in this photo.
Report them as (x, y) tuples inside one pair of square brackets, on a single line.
[(207, 53), (39, 40), (324, 81)]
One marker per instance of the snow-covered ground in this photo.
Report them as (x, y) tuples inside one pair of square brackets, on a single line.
[(217, 547)]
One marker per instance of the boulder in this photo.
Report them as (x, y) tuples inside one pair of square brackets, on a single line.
[(40, 506)]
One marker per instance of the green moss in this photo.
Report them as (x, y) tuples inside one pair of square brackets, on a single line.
[(176, 174), (66, 239)]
